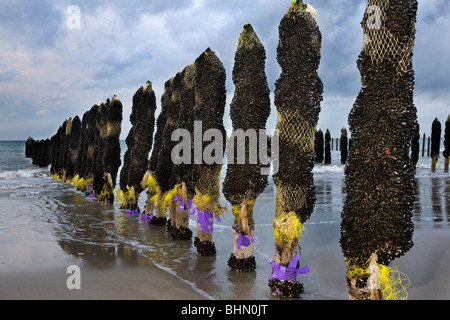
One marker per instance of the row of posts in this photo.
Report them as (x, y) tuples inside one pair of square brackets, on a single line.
[(426, 146)]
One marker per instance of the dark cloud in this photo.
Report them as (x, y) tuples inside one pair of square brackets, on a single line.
[(49, 70), (32, 23)]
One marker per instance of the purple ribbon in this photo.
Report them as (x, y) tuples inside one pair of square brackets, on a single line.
[(205, 219), (290, 272), (145, 216), (181, 205), (133, 211), (244, 240)]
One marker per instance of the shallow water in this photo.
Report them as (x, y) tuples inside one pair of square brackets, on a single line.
[(35, 207)]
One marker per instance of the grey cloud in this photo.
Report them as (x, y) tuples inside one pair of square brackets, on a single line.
[(33, 23)]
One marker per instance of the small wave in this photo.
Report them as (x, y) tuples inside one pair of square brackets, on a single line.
[(23, 194), (328, 169), (191, 284), (22, 173)]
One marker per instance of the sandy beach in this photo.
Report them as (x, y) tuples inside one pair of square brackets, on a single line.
[(37, 269), (40, 272)]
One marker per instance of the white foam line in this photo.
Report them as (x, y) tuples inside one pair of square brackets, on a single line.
[(171, 272)]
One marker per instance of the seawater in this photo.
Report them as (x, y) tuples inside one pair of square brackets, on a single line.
[(35, 206)]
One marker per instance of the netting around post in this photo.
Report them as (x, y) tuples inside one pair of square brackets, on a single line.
[(189, 76), (290, 198), (294, 129), (208, 189), (379, 42), (214, 61)]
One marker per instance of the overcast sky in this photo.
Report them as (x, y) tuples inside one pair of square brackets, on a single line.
[(51, 70)]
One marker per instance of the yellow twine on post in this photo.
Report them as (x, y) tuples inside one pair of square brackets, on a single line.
[(123, 198), (149, 182), (357, 273), (288, 227), (167, 198), (394, 283), (206, 202), (107, 191), (236, 211), (154, 198)]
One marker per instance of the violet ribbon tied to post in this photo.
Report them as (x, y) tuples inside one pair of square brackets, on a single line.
[(244, 240), (145, 216), (206, 219), (136, 211), (181, 205), (290, 272)]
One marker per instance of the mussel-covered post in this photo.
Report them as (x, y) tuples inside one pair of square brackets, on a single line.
[(377, 222), (79, 180), (298, 95), (164, 165), (435, 142), (249, 111), (446, 153), (139, 143), (106, 152), (182, 171), (210, 93), (73, 146), (154, 193), (165, 169)]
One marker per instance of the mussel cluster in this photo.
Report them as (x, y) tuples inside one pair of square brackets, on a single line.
[(249, 110), (85, 152), (379, 176)]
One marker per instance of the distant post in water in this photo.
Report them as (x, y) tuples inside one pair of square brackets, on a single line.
[(447, 144), (423, 145), (327, 147), (415, 146), (344, 146), (318, 146), (435, 142)]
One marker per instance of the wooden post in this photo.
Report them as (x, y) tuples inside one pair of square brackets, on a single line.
[(383, 225), (435, 143), (298, 55), (447, 144), (423, 145)]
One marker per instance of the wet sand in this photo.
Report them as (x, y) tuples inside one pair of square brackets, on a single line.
[(35, 270), (44, 277)]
